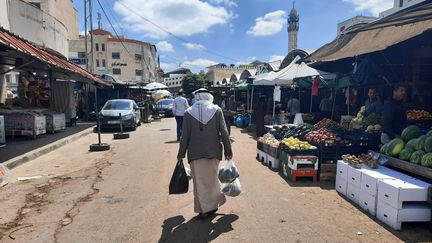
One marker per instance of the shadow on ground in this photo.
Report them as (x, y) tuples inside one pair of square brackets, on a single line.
[(176, 229)]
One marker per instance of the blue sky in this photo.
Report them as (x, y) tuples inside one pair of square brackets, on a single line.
[(228, 31)]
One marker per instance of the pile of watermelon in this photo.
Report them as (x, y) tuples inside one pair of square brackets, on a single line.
[(411, 146)]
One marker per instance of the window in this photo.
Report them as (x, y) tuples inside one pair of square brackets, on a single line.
[(103, 63), (97, 63), (8, 78), (103, 46), (400, 3), (81, 55), (138, 72), (97, 47), (116, 71), (138, 57), (116, 55)]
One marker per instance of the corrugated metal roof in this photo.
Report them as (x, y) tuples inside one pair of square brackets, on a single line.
[(18, 44), (378, 35)]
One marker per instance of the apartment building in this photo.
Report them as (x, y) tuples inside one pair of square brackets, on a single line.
[(124, 59)]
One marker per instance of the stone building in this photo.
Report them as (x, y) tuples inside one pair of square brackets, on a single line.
[(124, 59), (221, 74)]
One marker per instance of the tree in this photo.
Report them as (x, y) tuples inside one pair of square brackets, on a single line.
[(192, 82)]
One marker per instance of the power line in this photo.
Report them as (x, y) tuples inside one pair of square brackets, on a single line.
[(170, 33), (112, 26)]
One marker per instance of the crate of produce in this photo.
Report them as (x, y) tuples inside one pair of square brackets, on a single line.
[(303, 162), (327, 172), (260, 145), (55, 122)]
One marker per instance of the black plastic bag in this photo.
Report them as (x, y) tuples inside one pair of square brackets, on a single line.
[(179, 183)]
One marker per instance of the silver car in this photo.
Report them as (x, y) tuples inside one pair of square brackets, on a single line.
[(113, 109)]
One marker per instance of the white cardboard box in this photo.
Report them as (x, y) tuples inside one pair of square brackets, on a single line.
[(341, 185), (408, 213), (273, 162), (368, 202), (354, 176), (261, 155), (353, 193), (394, 191), (369, 181), (342, 169)]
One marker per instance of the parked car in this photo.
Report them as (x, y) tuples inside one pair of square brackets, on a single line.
[(130, 113), (164, 107)]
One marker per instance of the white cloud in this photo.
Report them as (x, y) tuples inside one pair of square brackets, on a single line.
[(374, 6), (194, 46), (228, 3), (200, 62), (276, 58), (269, 24), (182, 18), (164, 46)]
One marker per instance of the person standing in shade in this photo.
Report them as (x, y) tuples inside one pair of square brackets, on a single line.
[(373, 103), (326, 107), (293, 107), (180, 105), (203, 131), (394, 118), (229, 109)]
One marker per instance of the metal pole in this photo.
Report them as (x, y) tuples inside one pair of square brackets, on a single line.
[(97, 115), (334, 102), (91, 36), (85, 34), (121, 123), (250, 108), (311, 102)]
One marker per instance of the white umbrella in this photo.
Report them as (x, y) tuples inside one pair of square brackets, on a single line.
[(155, 86), (299, 71), (160, 94)]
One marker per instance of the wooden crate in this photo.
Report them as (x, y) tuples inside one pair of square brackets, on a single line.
[(327, 172)]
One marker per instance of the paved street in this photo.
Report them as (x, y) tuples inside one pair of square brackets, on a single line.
[(122, 196)]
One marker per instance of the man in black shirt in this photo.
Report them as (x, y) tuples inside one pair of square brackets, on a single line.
[(394, 118)]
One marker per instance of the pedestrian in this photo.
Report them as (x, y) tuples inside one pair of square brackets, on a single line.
[(180, 105), (229, 110), (373, 103), (293, 107), (394, 118), (203, 130), (259, 116), (326, 107)]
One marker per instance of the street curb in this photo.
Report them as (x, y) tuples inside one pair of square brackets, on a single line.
[(19, 160)]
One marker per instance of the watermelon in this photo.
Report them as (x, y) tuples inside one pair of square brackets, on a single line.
[(406, 153), (410, 132), (421, 142), (429, 133), (416, 157), (428, 144), (412, 143), (427, 160), (394, 147), (383, 149)]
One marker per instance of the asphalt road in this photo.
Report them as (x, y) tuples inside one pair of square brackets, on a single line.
[(122, 196)]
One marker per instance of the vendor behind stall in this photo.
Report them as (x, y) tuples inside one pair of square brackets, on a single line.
[(373, 103), (326, 106), (394, 118), (293, 107)]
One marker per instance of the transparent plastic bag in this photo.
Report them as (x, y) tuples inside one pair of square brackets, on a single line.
[(232, 189), (188, 172), (228, 172)]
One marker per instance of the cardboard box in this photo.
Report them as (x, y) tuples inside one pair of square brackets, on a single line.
[(394, 217), (342, 169), (273, 162), (353, 193), (354, 176), (369, 181), (395, 192), (261, 156), (341, 185), (368, 202)]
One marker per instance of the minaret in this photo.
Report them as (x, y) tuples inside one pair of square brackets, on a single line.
[(293, 27)]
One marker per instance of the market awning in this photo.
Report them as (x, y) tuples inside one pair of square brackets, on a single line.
[(243, 86), (18, 52), (378, 35)]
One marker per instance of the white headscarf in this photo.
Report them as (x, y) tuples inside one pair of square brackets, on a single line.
[(203, 110)]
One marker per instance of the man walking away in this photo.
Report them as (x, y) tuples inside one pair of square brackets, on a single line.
[(180, 105)]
